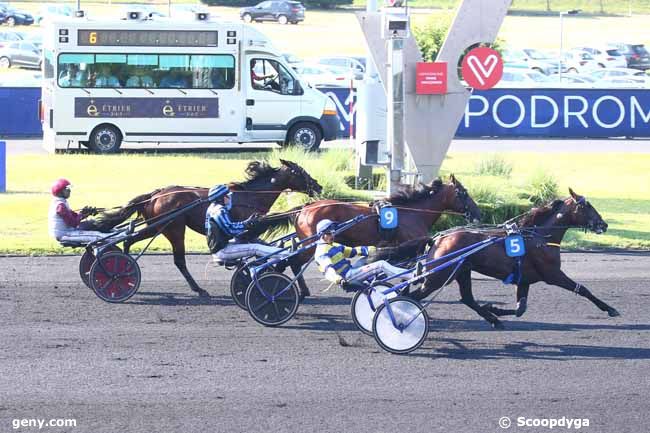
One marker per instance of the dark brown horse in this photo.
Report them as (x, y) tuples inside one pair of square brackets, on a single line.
[(418, 208), (256, 194), (543, 229)]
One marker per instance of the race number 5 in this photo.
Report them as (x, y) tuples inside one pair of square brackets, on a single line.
[(388, 218), (515, 246)]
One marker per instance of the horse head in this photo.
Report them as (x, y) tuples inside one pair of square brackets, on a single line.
[(460, 201), (296, 178), (581, 213)]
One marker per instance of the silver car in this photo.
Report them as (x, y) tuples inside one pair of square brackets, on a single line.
[(20, 53)]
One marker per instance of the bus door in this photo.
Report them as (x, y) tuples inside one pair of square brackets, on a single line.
[(273, 99)]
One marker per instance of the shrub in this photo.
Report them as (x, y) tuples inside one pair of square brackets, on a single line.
[(495, 165), (541, 188), (431, 36)]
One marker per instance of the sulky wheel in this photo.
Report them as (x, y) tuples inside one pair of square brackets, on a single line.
[(273, 300), (239, 283), (365, 303), (86, 262), (115, 277), (409, 330)]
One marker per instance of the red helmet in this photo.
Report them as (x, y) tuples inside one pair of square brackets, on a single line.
[(59, 186)]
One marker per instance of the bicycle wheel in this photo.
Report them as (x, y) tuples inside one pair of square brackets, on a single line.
[(365, 303), (239, 283), (86, 262), (412, 325), (273, 300), (115, 277)]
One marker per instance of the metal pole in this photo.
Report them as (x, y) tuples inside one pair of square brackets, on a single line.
[(395, 129), (169, 8), (78, 5), (561, 44)]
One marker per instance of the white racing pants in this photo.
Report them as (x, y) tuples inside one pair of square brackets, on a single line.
[(84, 236), (234, 251), (381, 266)]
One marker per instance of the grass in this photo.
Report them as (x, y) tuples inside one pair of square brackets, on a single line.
[(618, 185)]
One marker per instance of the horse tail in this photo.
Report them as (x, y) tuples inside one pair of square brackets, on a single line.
[(107, 220), (284, 223)]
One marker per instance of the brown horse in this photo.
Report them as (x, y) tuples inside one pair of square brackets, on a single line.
[(543, 229), (256, 194), (418, 207)]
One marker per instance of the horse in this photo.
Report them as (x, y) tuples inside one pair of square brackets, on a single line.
[(543, 230), (256, 194)]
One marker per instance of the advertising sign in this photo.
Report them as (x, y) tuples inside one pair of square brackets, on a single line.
[(147, 107), (482, 68)]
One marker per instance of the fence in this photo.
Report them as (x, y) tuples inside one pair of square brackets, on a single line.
[(561, 113)]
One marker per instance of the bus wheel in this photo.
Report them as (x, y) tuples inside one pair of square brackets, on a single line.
[(105, 139), (305, 135)]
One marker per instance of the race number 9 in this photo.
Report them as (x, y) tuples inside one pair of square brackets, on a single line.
[(515, 246), (388, 218), (92, 37)]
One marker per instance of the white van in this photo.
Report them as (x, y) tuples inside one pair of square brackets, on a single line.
[(143, 80)]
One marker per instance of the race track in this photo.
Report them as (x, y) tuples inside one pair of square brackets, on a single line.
[(167, 361)]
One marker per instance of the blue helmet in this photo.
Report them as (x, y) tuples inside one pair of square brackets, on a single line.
[(217, 192), (323, 225)]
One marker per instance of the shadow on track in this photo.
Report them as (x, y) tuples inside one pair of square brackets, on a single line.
[(171, 299)]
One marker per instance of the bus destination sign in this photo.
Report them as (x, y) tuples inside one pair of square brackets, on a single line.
[(147, 38)]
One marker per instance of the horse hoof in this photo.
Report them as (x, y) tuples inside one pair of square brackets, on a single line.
[(613, 312), (521, 307), (498, 326)]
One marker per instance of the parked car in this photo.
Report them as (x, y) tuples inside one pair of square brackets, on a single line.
[(292, 60), (636, 54), (612, 74), (8, 36), (184, 12), (321, 75), (53, 10), (513, 77), (344, 62), (574, 80), (536, 60), (578, 62), (606, 57), (20, 53), (281, 11), (12, 16)]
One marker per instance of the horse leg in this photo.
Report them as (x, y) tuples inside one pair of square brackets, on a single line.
[(175, 234), (560, 279), (522, 295), (464, 279)]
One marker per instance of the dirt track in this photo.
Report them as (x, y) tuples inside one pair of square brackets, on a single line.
[(169, 362)]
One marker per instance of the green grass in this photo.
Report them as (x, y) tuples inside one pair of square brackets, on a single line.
[(618, 185)]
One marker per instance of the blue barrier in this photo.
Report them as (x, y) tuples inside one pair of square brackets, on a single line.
[(19, 112), (3, 166), (557, 113), (493, 113)]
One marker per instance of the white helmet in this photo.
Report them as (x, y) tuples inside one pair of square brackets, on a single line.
[(323, 225)]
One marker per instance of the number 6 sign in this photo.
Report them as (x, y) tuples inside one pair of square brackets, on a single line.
[(388, 218), (515, 246)]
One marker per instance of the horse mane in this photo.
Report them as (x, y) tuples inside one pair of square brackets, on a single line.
[(539, 215), (410, 194), (255, 170)]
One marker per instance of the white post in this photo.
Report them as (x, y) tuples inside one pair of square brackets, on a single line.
[(559, 71), (395, 126)]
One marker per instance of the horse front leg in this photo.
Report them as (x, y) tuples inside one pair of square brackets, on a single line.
[(559, 278), (522, 302), (175, 234), (464, 280)]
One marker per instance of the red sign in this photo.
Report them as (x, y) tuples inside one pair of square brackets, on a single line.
[(431, 78), (482, 68)]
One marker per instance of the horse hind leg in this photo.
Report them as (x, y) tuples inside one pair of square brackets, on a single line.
[(464, 280), (175, 234), (562, 280)]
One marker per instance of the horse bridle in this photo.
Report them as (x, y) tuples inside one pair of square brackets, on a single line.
[(463, 196)]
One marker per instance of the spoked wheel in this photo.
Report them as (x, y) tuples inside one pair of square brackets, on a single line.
[(273, 300), (115, 277), (239, 283), (86, 262), (409, 330), (365, 303)]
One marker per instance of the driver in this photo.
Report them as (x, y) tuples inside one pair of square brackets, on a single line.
[(332, 259), (66, 225), (222, 232), (261, 81)]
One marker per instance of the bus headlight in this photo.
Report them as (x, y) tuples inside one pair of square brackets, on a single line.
[(330, 108)]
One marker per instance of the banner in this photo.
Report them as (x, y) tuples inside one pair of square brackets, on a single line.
[(345, 100), (562, 113), (147, 107)]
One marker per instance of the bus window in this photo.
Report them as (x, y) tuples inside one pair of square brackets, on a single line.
[(73, 69), (106, 69), (141, 70)]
